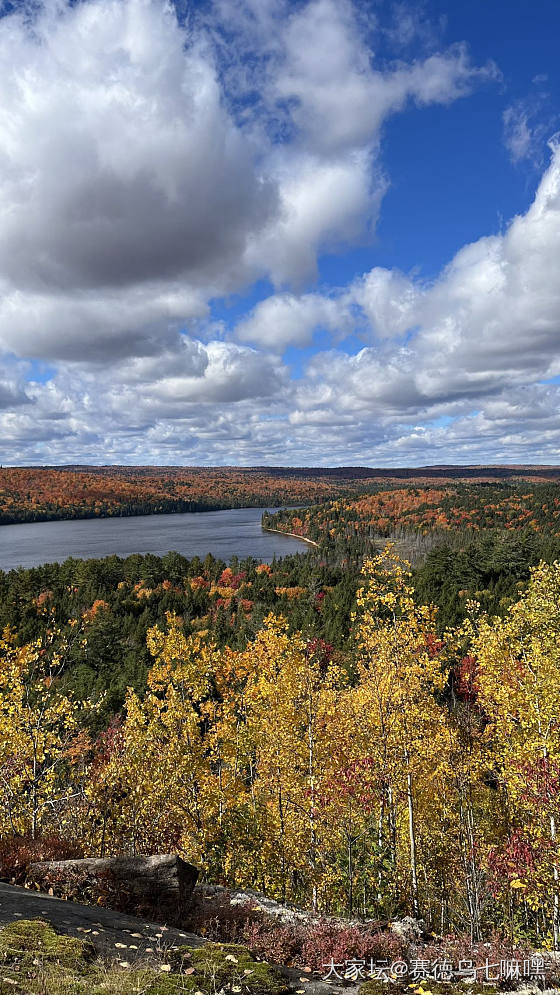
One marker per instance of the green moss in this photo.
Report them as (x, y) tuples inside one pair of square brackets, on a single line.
[(229, 966), (31, 940), (41, 962), (377, 987)]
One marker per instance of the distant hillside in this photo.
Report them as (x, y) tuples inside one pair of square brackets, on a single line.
[(31, 494)]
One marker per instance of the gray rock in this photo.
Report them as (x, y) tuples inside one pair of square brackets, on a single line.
[(411, 930), (114, 935), (162, 883)]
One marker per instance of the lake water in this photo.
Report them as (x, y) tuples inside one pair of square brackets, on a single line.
[(223, 533)]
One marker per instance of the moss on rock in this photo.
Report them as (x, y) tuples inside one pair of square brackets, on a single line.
[(231, 967), (30, 940), (36, 960)]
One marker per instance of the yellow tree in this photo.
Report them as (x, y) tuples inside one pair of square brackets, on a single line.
[(519, 690), (160, 778), (38, 725), (290, 701), (399, 678)]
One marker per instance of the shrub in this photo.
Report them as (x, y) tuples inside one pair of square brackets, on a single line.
[(18, 852), (273, 941), (316, 944), (327, 941), (216, 918)]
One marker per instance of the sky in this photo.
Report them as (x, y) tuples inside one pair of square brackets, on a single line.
[(279, 232)]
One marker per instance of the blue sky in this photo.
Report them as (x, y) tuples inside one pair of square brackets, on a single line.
[(275, 232)]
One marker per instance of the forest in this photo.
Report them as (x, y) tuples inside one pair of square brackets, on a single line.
[(47, 494), (337, 729), (426, 511), (409, 773), (33, 494)]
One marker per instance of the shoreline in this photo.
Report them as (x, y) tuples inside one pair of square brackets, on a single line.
[(90, 517), (293, 535)]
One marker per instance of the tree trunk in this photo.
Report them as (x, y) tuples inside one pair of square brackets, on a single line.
[(412, 838)]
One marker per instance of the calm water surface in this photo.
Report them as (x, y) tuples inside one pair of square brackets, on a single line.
[(222, 533)]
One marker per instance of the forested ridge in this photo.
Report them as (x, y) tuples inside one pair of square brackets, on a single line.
[(51, 493), (47, 494)]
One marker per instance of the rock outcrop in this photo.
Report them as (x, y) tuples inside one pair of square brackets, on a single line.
[(161, 884)]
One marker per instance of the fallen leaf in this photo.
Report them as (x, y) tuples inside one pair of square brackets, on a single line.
[(165, 967)]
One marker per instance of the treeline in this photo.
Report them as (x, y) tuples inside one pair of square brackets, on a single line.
[(47, 494), (51, 511), (410, 772)]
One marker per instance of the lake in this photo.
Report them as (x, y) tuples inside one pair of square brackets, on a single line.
[(225, 534)]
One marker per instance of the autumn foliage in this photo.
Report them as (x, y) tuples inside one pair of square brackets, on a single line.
[(416, 773)]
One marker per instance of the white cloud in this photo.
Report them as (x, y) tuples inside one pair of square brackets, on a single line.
[(518, 136), (134, 187), (125, 187), (147, 169), (287, 320), (388, 299), (338, 99), (334, 101), (491, 321), (528, 124)]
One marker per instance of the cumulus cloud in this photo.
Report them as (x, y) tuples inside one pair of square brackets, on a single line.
[(334, 102), (100, 326), (389, 300), (231, 373), (148, 168), (143, 172), (490, 321), (11, 394), (125, 186), (471, 356), (121, 164), (288, 320)]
